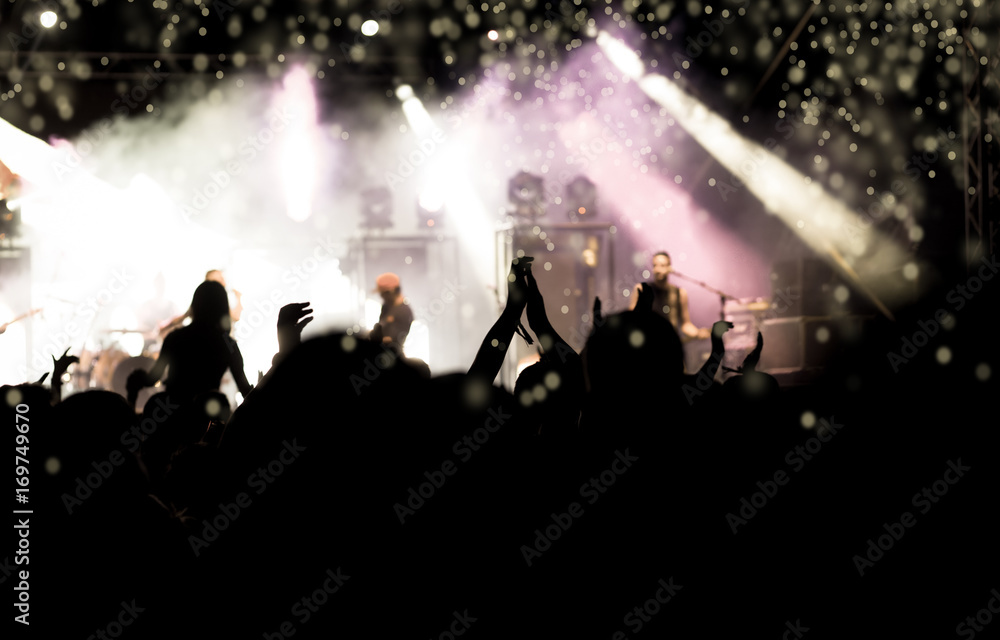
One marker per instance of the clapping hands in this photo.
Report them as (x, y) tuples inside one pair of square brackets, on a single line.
[(517, 286)]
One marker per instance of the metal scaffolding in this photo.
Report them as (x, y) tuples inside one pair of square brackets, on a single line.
[(981, 131)]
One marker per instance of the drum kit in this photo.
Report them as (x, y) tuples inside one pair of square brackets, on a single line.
[(106, 362)]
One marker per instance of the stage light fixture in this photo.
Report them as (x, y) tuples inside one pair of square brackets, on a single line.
[(376, 208), (369, 28), (581, 196), (48, 19), (527, 194), (430, 210)]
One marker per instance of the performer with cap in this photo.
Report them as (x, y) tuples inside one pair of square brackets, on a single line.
[(396, 317)]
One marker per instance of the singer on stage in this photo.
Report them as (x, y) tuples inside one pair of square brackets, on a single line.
[(669, 301)]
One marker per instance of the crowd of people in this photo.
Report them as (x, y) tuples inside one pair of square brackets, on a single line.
[(354, 491)]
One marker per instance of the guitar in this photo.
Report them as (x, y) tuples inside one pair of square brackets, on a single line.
[(3, 327)]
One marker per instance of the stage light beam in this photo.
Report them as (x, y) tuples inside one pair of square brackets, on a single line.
[(446, 174), (827, 225), (299, 153)]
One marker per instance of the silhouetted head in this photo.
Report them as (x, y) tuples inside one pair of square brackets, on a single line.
[(633, 353), (210, 306), (550, 394), (388, 287)]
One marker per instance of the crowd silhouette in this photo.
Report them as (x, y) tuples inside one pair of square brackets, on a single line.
[(354, 492)]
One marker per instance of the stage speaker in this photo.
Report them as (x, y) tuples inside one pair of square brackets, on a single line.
[(801, 343), (807, 287), (573, 265)]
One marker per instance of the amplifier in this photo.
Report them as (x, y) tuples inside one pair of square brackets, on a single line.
[(806, 342)]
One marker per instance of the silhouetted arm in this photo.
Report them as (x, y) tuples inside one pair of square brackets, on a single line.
[(160, 366), (59, 367), (492, 351), (236, 367), (140, 379), (750, 362), (711, 366), (538, 320)]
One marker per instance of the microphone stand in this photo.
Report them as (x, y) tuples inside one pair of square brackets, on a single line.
[(722, 294)]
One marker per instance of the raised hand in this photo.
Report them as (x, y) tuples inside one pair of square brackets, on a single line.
[(517, 287), (645, 302), (720, 328), (598, 318), (536, 304), (60, 366), (292, 319), (750, 363)]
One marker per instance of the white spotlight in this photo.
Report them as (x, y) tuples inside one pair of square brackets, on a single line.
[(431, 200), (369, 27), (493, 35), (404, 92), (48, 19), (621, 55)]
